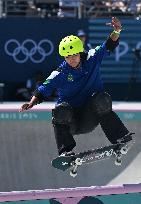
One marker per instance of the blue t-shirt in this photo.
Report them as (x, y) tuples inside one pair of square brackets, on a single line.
[(75, 86)]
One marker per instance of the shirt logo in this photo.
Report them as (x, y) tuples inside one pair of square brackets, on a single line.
[(47, 81), (70, 77)]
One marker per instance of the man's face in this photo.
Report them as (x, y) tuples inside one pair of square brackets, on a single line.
[(73, 60)]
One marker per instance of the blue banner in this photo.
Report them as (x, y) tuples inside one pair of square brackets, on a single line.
[(31, 44)]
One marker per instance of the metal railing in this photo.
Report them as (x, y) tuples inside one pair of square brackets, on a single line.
[(69, 8), (29, 8)]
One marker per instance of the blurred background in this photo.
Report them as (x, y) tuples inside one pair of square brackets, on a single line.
[(32, 29)]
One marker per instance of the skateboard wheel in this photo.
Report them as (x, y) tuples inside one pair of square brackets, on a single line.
[(73, 173), (118, 162), (78, 161), (124, 150)]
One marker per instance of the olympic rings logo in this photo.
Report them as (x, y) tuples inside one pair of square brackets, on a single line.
[(29, 49)]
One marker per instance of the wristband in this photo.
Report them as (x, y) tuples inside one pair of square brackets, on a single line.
[(116, 32)]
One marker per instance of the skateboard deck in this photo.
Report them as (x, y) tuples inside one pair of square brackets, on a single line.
[(72, 162), (65, 162)]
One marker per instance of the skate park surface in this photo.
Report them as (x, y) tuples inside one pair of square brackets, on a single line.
[(27, 146)]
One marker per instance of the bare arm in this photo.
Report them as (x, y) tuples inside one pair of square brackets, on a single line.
[(26, 106)]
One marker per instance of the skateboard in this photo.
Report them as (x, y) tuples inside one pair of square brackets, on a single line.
[(72, 162)]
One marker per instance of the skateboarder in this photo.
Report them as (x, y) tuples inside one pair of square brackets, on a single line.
[(82, 102)]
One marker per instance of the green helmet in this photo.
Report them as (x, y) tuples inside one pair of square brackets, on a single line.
[(70, 45)]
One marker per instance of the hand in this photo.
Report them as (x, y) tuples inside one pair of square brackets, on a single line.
[(116, 24), (25, 107)]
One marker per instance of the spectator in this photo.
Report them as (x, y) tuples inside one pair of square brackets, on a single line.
[(119, 8), (82, 35), (31, 9), (133, 6), (68, 8)]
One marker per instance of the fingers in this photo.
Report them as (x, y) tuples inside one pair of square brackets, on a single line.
[(114, 18), (112, 22), (24, 107), (115, 23)]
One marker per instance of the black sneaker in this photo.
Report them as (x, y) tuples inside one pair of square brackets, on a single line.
[(126, 139)]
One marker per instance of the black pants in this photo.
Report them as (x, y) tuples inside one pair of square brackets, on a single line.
[(85, 119)]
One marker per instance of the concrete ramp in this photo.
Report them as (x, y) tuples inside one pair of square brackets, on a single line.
[(27, 146)]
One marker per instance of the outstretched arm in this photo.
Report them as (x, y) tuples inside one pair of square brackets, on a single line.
[(113, 40), (116, 24), (26, 106), (43, 91)]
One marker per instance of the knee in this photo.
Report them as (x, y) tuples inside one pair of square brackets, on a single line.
[(102, 103), (62, 114)]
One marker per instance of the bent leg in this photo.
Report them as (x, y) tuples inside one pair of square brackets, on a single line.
[(62, 117), (113, 127), (111, 124)]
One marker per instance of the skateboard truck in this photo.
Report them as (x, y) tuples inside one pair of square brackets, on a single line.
[(75, 164), (122, 152)]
